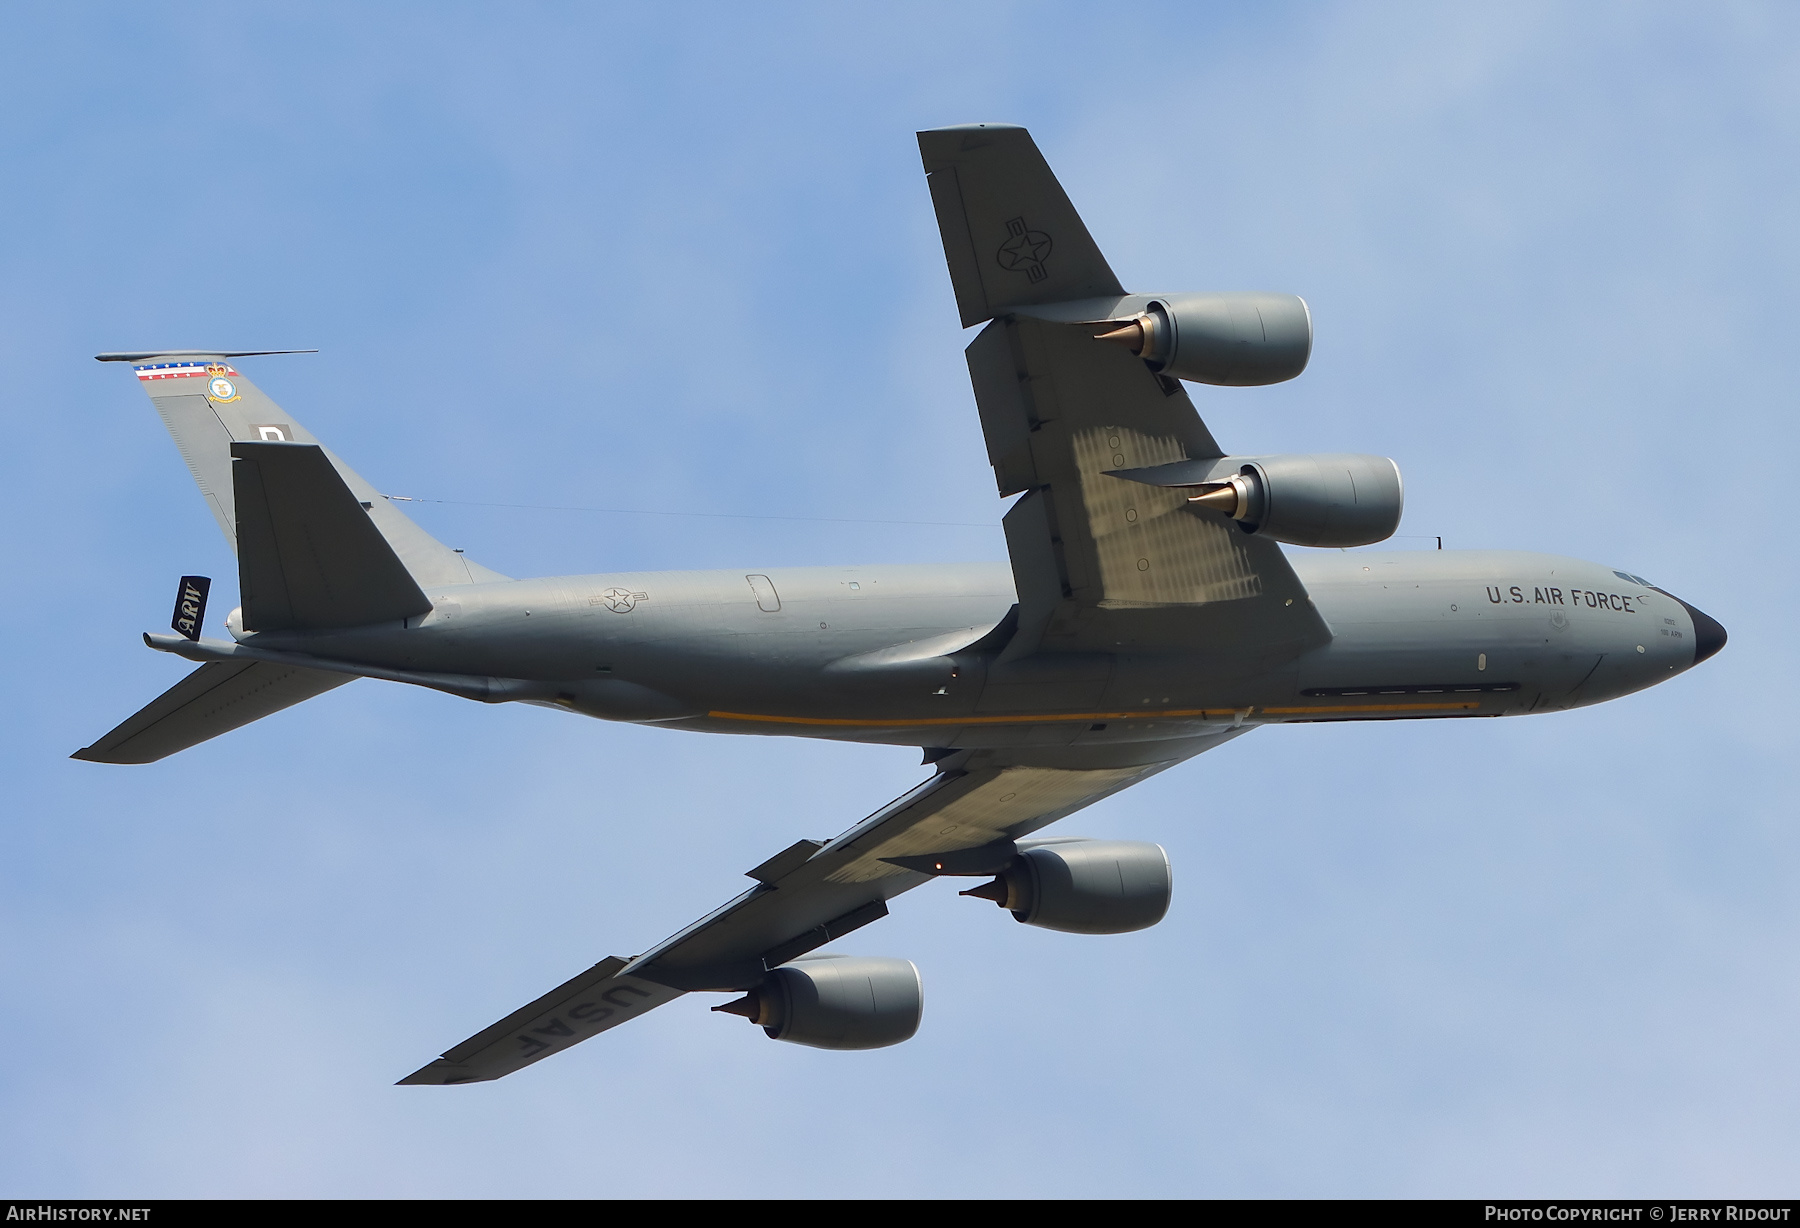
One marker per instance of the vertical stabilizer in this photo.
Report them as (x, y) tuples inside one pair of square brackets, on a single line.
[(208, 405)]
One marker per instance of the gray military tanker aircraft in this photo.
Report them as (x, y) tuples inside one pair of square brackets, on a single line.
[(1148, 615)]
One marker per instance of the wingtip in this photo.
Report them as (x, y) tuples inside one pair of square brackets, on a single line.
[(941, 147), (93, 754), (441, 1073)]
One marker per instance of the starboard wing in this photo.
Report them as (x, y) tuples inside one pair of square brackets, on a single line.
[(1101, 563)]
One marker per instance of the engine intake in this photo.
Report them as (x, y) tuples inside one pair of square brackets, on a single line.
[(1084, 886), (1236, 340), (836, 1002)]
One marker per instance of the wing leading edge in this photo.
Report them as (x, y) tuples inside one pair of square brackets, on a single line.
[(964, 818)]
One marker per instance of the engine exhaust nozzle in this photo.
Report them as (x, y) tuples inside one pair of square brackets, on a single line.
[(995, 891), (1130, 335), (750, 1006), (1220, 499), (1235, 496)]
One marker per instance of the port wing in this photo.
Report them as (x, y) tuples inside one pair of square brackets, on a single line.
[(961, 821)]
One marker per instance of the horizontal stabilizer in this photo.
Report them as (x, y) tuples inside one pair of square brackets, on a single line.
[(142, 355), (214, 699), (309, 556)]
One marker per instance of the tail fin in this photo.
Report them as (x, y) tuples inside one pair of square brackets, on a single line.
[(1011, 237), (208, 405)]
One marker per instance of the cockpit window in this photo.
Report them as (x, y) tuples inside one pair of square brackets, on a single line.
[(1625, 575)]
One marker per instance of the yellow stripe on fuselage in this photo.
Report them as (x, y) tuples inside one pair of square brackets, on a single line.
[(1049, 717)]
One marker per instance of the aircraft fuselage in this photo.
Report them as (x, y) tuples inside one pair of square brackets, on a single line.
[(895, 654)]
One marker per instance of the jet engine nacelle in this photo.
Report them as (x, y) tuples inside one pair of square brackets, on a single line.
[(1084, 886), (1323, 499), (1238, 340), (837, 1002)]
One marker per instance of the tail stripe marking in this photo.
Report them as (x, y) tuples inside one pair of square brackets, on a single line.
[(181, 370)]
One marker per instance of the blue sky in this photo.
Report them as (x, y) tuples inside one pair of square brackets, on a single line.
[(682, 259)]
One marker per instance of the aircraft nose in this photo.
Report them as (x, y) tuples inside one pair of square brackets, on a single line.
[(1709, 635)]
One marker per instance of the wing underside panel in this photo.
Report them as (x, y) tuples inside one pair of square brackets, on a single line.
[(1102, 563)]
